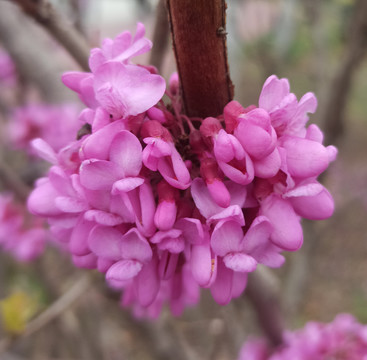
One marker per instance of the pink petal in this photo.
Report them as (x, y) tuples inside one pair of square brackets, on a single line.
[(161, 235), (44, 150), (257, 235), (272, 93), (127, 90), (314, 133), (126, 185), (98, 174), (103, 218), (174, 245), (104, 242), (135, 246), (305, 158), (239, 283), (316, 207), (41, 201), (78, 244), (85, 262), (126, 152), (147, 283), (174, 170), (221, 289), (70, 205), (203, 266), (96, 146), (203, 199), (240, 262), (287, 233), (233, 212), (219, 193), (192, 230), (124, 270), (268, 166), (226, 237), (165, 215), (145, 220), (258, 141)]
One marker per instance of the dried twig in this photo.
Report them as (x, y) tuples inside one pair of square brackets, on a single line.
[(64, 31)]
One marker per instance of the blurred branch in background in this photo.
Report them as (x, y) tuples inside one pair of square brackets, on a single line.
[(160, 36), (46, 15), (333, 118), (354, 53), (29, 56), (264, 294)]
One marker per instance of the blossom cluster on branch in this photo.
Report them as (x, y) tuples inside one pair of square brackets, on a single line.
[(343, 339), (21, 234), (164, 204), (56, 124)]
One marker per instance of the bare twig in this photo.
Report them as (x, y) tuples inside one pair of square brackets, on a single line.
[(64, 31), (160, 36), (199, 42), (29, 56), (264, 295), (52, 312)]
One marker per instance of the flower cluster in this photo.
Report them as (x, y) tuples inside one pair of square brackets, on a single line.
[(164, 204), (20, 234), (56, 124), (342, 339)]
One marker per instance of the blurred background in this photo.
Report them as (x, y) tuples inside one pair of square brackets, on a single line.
[(320, 46)]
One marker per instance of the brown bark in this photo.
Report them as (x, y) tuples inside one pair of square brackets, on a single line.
[(199, 42)]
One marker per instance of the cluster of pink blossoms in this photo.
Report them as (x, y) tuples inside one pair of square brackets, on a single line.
[(342, 339), (164, 204), (20, 234), (56, 124)]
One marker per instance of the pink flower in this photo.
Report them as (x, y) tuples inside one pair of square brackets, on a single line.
[(23, 237), (163, 204), (57, 125), (121, 49), (344, 338)]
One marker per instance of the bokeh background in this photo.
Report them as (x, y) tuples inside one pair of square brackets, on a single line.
[(320, 46)]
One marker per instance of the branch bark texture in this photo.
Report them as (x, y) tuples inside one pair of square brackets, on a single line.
[(199, 42)]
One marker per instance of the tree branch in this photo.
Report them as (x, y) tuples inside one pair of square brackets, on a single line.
[(199, 42), (47, 16), (264, 295)]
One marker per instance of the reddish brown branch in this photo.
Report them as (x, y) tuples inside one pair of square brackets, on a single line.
[(46, 15), (199, 42)]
